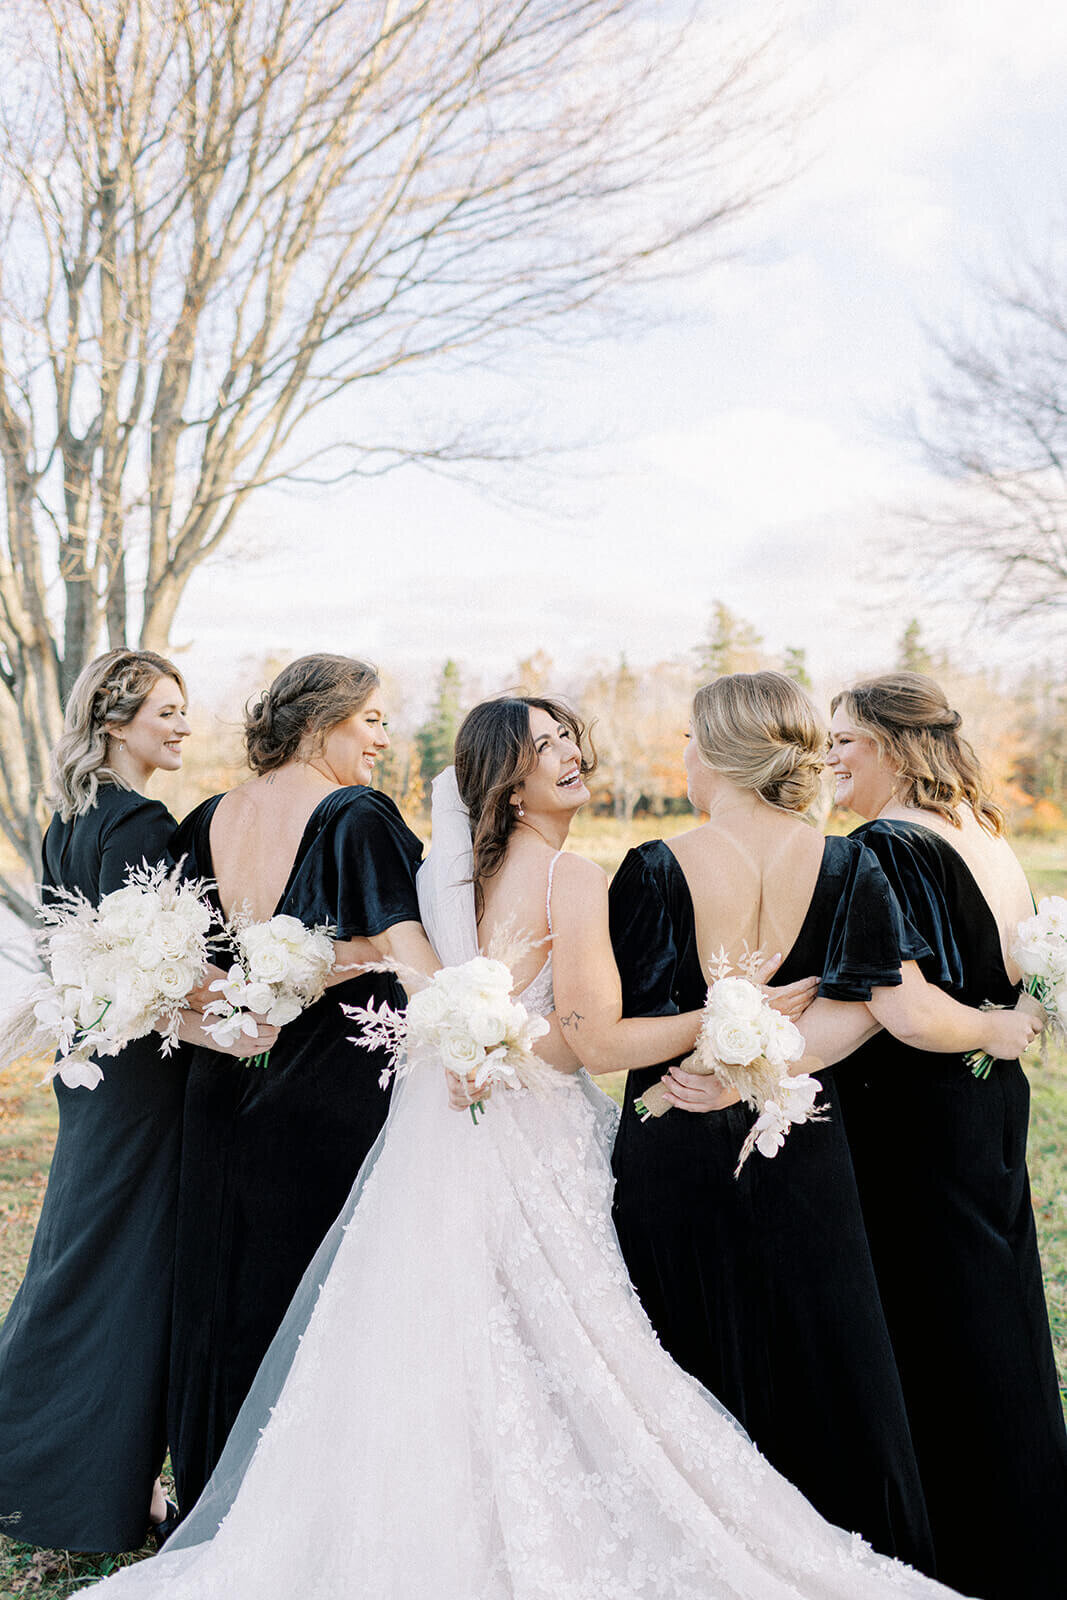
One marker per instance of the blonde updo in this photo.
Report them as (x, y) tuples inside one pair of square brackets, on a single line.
[(761, 731), (108, 692), (307, 698), (908, 717)]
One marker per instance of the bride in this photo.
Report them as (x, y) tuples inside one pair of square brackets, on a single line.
[(466, 1401)]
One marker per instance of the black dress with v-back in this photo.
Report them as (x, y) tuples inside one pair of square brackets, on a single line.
[(270, 1153), (940, 1159), (763, 1287)]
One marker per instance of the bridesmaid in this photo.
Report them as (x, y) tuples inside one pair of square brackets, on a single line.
[(83, 1352), (763, 1287), (270, 1154), (946, 1195)]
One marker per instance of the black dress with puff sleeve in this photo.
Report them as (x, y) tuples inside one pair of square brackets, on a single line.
[(940, 1160), (84, 1348), (763, 1287), (270, 1153)]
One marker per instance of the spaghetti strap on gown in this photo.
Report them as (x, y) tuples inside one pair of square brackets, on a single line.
[(940, 1159), (467, 1401)]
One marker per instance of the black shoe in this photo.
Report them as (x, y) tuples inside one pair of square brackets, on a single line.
[(161, 1531)]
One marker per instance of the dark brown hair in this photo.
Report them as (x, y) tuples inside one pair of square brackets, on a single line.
[(495, 752), (108, 692), (307, 698), (911, 722)]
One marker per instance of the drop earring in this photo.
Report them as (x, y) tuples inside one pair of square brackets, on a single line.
[(519, 812)]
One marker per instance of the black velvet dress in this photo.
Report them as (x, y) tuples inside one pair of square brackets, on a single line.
[(270, 1153), (940, 1159), (83, 1352), (763, 1287)]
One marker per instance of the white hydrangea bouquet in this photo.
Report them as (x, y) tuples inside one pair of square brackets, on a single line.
[(749, 1046), (280, 969), (1040, 949), (466, 1019), (113, 972)]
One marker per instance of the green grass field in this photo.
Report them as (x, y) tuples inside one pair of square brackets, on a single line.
[(27, 1133)]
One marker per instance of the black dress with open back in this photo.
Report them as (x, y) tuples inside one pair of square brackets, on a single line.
[(940, 1159), (763, 1286), (270, 1153), (84, 1348)]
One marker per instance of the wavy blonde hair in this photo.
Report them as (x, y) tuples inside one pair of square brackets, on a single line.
[(762, 732), (108, 692), (908, 717)]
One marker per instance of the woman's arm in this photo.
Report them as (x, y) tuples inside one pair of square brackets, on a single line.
[(921, 1016), (587, 987)]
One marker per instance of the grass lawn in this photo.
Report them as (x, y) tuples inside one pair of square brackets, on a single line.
[(27, 1132)]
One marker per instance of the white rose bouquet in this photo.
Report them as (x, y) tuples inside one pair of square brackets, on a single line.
[(281, 968), (113, 972), (749, 1047), (466, 1017), (1040, 949)]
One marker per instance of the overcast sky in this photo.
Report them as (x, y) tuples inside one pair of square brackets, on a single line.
[(744, 452)]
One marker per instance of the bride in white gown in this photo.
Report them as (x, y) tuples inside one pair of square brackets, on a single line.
[(467, 1401)]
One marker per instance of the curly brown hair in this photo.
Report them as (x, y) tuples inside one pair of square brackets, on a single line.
[(495, 752), (307, 698), (911, 722)]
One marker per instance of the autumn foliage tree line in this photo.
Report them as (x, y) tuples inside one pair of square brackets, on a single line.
[(638, 720)]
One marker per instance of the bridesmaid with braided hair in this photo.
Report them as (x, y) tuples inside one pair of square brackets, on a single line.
[(940, 1156), (83, 1352)]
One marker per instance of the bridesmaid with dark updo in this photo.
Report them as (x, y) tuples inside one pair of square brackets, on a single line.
[(270, 1153)]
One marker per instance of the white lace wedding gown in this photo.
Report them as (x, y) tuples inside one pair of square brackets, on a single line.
[(478, 1408)]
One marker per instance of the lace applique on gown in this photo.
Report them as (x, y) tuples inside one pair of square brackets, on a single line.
[(479, 1409)]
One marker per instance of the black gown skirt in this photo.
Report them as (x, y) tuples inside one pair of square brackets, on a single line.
[(84, 1349), (940, 1159), (270, 1153), (763, 1287)]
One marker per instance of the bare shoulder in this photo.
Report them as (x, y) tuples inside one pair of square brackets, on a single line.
[(577, 875)]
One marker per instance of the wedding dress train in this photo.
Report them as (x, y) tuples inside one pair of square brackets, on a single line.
[(468, 1402)]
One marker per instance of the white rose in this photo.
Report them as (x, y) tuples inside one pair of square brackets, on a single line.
[(173, 934), (429, 1005), (290, 930), (269, 963), (67, 968), (735, 999), (461, 1053), (148, 952), (783, 1041), (488, 1023), (734, 1042), (172, 980)]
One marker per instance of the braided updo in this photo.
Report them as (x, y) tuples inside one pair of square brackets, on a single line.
[(917, 732), (307, 698), (761, 731), (108, 693)]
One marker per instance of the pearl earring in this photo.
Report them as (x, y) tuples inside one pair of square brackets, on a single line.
[(519, 810)]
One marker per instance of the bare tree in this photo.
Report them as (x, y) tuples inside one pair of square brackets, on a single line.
[(995, 425), (218, 216)]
